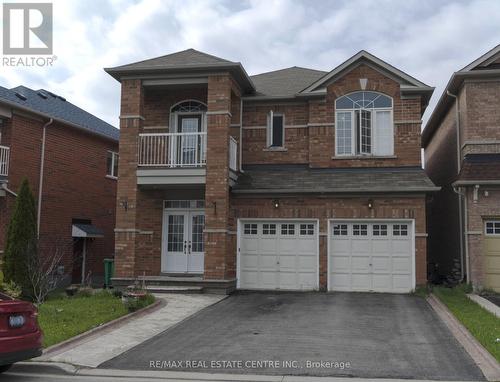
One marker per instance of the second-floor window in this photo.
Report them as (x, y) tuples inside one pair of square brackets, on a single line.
[(112, 164), (363, 124), (275, 130)]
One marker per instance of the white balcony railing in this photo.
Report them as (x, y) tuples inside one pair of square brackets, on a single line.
[(233, 154), (173, 149), (4, 161)]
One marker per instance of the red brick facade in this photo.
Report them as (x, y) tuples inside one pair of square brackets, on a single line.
[(75, 185), (309, 140)]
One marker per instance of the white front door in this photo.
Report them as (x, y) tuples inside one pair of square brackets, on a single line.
[(372, 256), (277, 254), (183, 247)]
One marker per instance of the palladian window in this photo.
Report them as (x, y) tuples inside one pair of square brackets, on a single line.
[(363, 124)]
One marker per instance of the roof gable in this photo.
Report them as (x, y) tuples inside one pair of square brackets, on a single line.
[(53, 106), (363, 57), (489, 60)]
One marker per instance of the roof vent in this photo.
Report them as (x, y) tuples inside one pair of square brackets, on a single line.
[(52, 94), (20, 96), (42, 94), (61, 98)]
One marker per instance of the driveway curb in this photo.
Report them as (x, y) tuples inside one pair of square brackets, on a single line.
[(483, 359), (29, 368), (488, 305), (69, 343)]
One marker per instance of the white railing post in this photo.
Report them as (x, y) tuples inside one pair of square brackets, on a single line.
[(4, 160), (172, 149)]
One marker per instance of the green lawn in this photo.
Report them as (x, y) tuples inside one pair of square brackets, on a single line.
[(482, 324), (62, 317)]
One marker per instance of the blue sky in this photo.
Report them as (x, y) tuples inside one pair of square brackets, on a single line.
[(428, 39)]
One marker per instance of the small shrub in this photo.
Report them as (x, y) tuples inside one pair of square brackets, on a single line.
[(11, 289), (85, 292), (134, 304), (117, 293)]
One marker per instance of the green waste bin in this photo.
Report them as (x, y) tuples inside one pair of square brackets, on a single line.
[(109, 271)]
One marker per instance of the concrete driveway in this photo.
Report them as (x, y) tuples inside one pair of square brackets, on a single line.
[(354, 334)]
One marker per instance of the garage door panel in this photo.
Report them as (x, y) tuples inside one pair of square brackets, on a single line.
[(307, 263), (341, 281), (277, 256), (360, 282), (382, 282), (401, 264), (360, 263), (381, 261)]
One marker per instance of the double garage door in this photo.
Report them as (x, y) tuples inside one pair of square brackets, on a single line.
[(362, 255)]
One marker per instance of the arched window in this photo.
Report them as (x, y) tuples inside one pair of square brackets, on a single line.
[(363, 124), (189, 106)]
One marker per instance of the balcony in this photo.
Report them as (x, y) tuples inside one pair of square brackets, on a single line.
[(176, 158), (4, 162)]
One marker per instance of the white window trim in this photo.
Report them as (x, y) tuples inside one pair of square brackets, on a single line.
[(491, 221), (270, 131), (355, 138), (113, 159)]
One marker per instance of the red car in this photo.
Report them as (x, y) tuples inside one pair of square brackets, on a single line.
[(20, 335)]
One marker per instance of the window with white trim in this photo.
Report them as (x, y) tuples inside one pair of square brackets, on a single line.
[(364, 125), (112, 164), (492, 227), (269, 229), (275, 130), (307, 229), (400, 230), (340, 230), (250, 229), (360, 229), (380, 230), (288, 229)]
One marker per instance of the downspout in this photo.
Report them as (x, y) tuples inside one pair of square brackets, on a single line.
[(463, 237), (9, 191), (241, 136), (40, 181)]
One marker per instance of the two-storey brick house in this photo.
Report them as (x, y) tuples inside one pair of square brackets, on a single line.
[(70, 158), (462, 155), (295, 179)]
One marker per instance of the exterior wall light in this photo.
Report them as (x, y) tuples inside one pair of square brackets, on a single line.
[(276, 203), (370, 203)]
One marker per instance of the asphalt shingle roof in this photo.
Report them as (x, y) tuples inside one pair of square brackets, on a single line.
[(185, 57), (302, 179), (43, 101), (285, 82), (480, 167)]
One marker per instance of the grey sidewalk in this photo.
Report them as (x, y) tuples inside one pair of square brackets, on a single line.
[(98, 348)]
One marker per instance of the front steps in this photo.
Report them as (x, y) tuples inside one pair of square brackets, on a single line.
[(176, 284)]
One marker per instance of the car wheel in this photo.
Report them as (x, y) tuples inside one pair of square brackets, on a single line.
[(4, 368)]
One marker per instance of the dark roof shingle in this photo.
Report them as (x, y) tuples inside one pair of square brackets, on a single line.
[(182, 58), (285, 82), (281, 179), (57, 107), (480, 167)]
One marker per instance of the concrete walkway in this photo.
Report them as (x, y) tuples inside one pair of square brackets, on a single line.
[(101, 347)]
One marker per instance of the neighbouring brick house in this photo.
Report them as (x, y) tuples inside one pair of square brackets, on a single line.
[(295, 179), (73, 156), (462, 155)]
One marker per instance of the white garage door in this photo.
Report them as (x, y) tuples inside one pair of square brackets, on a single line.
[(373, 256), (278, 255)]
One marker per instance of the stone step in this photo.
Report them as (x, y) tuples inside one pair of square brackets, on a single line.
[(174, 289)]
